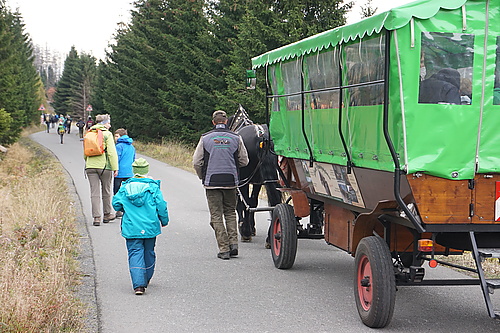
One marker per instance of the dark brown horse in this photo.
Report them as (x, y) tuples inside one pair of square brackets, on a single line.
[(260, 171)]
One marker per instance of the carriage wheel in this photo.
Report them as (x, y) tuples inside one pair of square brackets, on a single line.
[(283, 236), (374, 282)]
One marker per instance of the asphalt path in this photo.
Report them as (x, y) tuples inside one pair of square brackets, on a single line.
[(193, 291)]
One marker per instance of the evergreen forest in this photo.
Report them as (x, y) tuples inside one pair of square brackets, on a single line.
[(21, 88), (168, 68)]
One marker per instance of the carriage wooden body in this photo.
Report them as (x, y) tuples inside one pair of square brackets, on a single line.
[(376, 163)]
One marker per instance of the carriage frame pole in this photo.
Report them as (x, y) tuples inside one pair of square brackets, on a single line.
[(303, 111), (267, 98), (397, 167), (341, 97)]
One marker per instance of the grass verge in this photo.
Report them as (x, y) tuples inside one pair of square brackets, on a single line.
[(39, 270), (176, 154)]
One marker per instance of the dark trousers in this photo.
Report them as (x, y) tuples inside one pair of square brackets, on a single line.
[(117, 182), (222, 206)]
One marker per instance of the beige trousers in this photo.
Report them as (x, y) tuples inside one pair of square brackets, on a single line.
[(101, 182)]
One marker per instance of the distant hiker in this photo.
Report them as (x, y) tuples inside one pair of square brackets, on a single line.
[(61, 130), (100, 170), (144, 211), (54, 118), (67, 124), (81, 126), (89, 123), (47, 121)]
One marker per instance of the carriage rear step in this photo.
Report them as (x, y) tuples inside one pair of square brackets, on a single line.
[(489, 252), (493, 283), (487, 285), (260, 209)]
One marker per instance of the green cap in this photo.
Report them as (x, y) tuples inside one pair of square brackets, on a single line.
[(140, 167)]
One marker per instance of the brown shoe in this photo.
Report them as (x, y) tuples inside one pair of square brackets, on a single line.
[(139, 290), (108, 217), (97, 221)]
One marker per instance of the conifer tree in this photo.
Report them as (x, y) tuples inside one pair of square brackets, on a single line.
[(74, 89), (19, 82), (162, 71), (68, 83)]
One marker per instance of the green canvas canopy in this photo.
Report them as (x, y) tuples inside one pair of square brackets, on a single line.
[(454, 139)]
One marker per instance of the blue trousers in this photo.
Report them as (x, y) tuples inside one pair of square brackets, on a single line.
[(141, 260)]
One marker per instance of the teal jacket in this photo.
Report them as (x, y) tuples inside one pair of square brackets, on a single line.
[(144, 208)]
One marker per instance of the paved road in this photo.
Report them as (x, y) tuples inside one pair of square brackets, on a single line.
[(193, 291)]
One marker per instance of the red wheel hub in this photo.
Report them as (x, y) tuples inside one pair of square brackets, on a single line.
[(277, 237), (364, 281)]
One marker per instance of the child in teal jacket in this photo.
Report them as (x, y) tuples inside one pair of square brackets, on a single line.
[(145, 212)]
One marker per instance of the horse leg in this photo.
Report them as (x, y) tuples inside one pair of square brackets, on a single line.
[(243, 224), (254, 201)]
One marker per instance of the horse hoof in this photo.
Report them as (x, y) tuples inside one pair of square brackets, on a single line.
[(268, 246), (246, 239)]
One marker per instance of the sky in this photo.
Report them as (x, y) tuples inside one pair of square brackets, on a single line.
[(89, 25)]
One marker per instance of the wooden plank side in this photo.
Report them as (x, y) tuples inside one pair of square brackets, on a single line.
[(338, 226), (484, 198), (441, 200)]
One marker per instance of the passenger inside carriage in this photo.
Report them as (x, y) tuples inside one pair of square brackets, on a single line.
[(441, 88), (447, 61), (465, 91)]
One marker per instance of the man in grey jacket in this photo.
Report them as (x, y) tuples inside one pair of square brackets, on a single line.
[(217, 159)]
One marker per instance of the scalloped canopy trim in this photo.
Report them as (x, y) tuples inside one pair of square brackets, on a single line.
[(391, 20)]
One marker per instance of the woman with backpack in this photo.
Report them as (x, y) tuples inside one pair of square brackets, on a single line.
[(89, 123), (100, 168)]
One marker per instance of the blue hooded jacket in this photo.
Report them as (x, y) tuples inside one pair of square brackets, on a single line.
[(126, 156), (144, 208)]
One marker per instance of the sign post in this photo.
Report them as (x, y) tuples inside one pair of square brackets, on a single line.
[(89, 109)]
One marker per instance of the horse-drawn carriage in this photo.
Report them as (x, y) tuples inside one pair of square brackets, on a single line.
[(388, 134)]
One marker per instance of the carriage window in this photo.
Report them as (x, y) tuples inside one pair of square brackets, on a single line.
[(323, 73), (274, 88), (446, 61), (365, 63), (496, 90), (291, 81)]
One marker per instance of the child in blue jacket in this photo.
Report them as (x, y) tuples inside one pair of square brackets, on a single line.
[(144, 208)]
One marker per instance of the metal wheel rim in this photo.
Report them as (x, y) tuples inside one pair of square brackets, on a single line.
[(365, 294)]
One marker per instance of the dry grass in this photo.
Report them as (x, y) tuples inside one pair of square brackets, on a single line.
[(491, 266), (38, 245), (173, 153)]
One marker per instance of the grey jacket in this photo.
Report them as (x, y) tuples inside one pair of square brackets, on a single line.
[(217, 158)]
